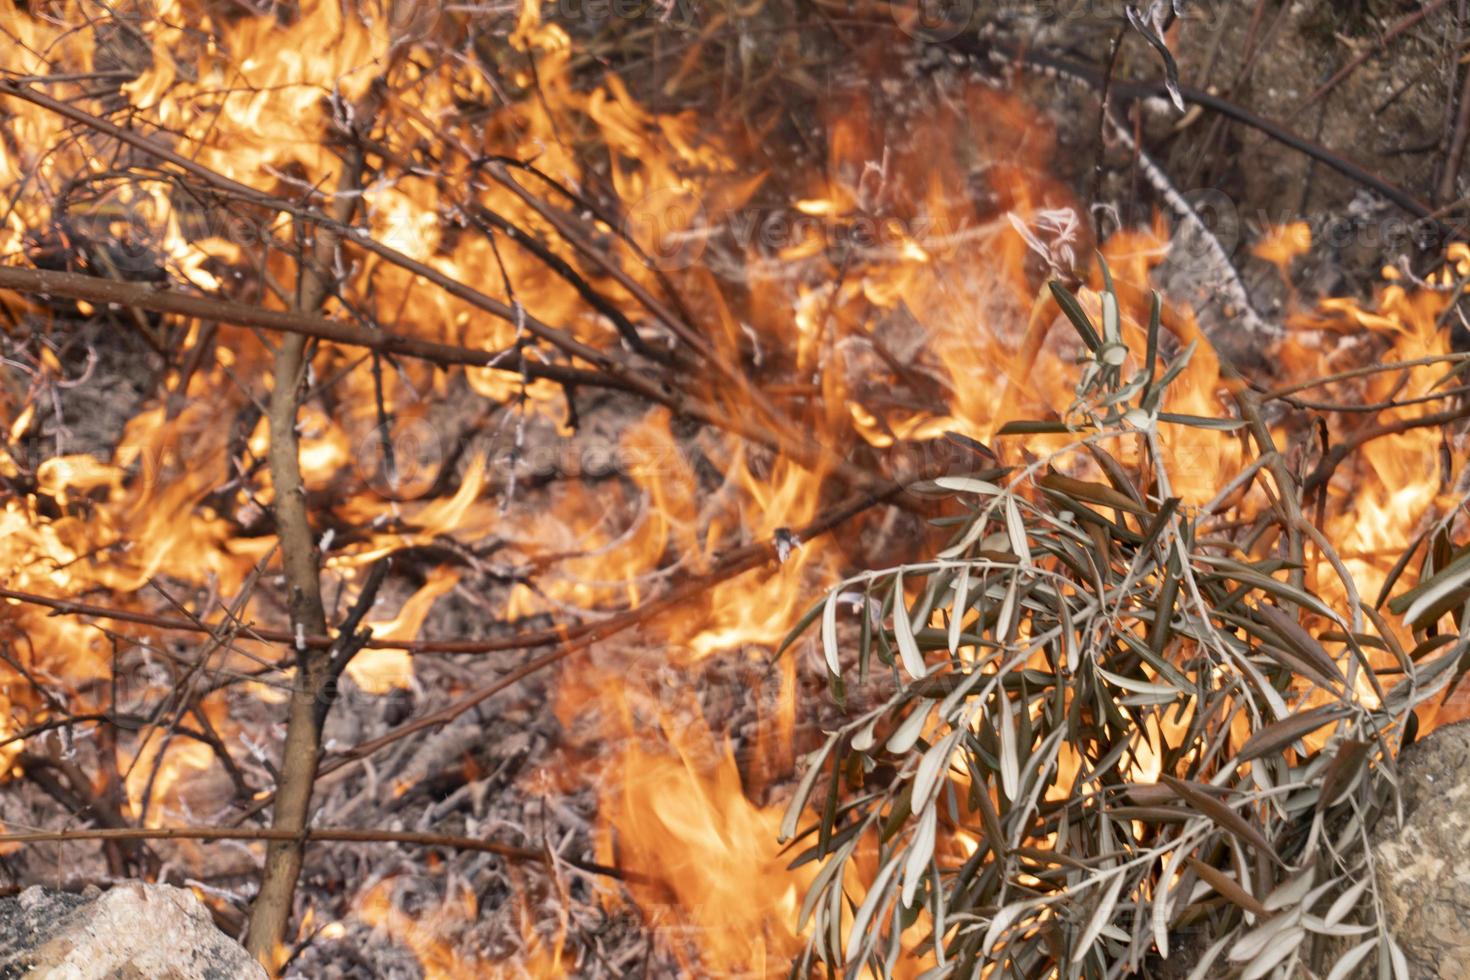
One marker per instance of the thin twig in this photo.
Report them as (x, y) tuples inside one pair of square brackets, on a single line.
[(1450, 179), (344, 835), (1137, 90), (1399, 27), (1364, 371), (146, 296), (1342, 450), (742, 560), (311, 695)]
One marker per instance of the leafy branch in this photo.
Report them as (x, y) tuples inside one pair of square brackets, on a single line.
[(1105, 729)]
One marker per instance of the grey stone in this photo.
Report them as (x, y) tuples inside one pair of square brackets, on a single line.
[(133, 931), (1423, 865)]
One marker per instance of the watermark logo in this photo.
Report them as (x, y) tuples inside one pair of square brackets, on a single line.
[(671, 227), (933, 20), (1219, 217), (400, 460)]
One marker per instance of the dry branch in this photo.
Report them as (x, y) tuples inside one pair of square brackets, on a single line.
[(310, 697), (1368, 51), (777, 433), (738, 561), (146, 296), (1134, 90), (345, 835)]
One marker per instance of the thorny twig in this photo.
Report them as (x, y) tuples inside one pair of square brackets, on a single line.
[(315, 670), (344, 835)]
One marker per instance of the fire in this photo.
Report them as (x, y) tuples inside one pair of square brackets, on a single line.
[(379, 670), (427, 935), (1282, 243), (689, 820), (896, 300)]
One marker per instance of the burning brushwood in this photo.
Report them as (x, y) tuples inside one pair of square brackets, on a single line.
[(424, 427)]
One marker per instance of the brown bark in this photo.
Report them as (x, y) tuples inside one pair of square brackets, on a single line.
[(311, 693), (344, 835), (146, 296), (778, 432)]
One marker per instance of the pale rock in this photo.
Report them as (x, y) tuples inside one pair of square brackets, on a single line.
[(1423, 865), (133, 931)]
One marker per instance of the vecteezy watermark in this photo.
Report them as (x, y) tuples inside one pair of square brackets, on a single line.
[(1368, 224), (933, 21), (1215, 215), (674, 231), (667, 13), (937, 21), (401, 460), (1202, 13), (1390, 234), (670, 226)]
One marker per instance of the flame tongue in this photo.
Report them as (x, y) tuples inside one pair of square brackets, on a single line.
[(711, 850)]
